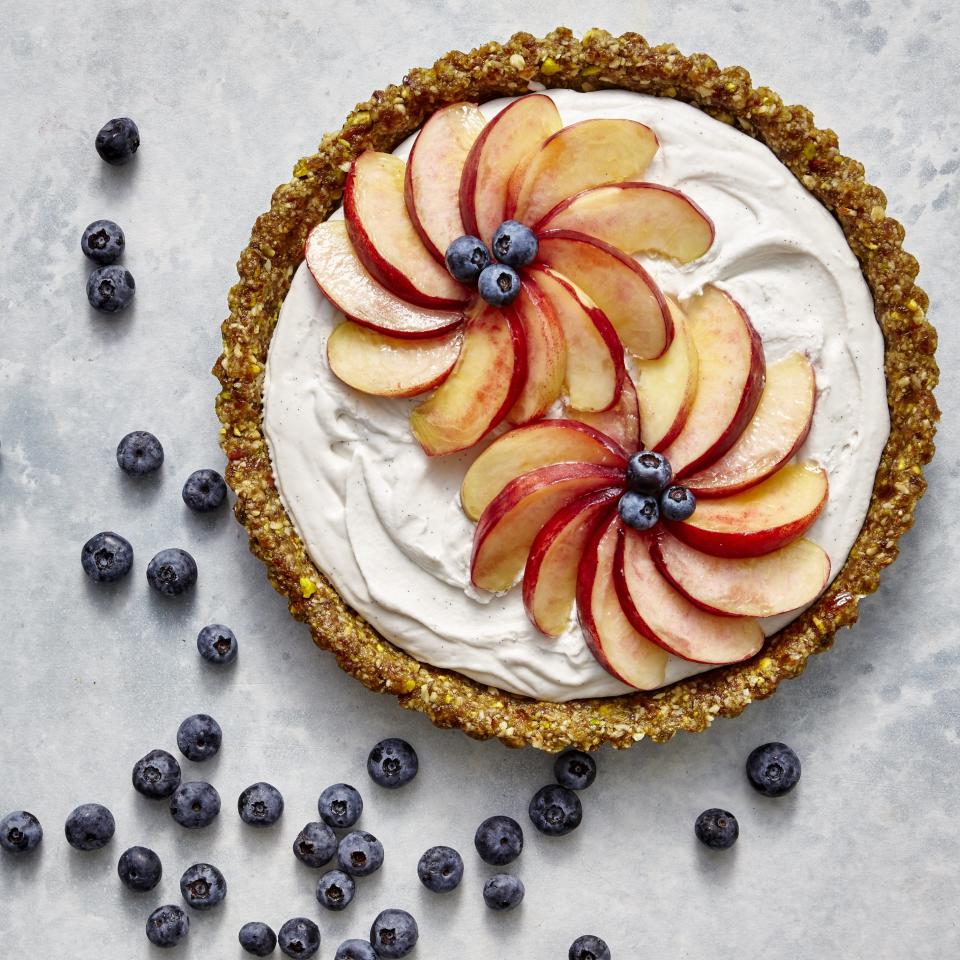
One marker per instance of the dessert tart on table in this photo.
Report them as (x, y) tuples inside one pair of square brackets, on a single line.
[(576, 391)]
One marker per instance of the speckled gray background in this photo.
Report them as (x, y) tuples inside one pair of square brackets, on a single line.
[(860, 862)]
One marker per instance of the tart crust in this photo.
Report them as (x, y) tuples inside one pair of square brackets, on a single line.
[(599, 60)]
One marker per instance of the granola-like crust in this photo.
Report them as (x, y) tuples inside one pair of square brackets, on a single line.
[(599, 60)]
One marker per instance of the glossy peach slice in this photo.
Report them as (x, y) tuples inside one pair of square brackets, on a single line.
[(621, 422)]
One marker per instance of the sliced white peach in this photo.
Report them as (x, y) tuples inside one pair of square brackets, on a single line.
[(550, 576), (434, 168), (778, 582), (617, 284), (348, 285), (505, 142), (385, 238), (513, 518), (729, 384), (665, 617), (620, 649), (482, 387), (760, 519), (580, 156), (621, 422), (772, 437), (637, 218), (528, 448)]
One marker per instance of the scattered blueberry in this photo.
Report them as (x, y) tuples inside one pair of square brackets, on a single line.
[(195, 804), (315, 845), (340, 805), (499, 840), (648, 472), (203, 886), (204, 490), (139, 453), (589, 947), (392, 763), (299, 938), (575, 769), (515, 244), (677, 503), (156, 775), (555, 810), (217, 644), (258, 939), (440, 869), (394, 934), (110, 289), (717, 828), (139, 868), (106, 557), (118, 140), (20, 832), (499, 284), (167, 926), (773, 769), (335, 890), (260, 805), (172, 572), (360, 854), (503, 891), (466, 258), (199, 737), (102, 242), (638, 510), (355, 950), (89, 827)]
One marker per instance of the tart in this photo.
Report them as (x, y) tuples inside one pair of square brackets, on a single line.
[(676, 587)]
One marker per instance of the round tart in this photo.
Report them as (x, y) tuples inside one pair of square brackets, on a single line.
[(695, 556)]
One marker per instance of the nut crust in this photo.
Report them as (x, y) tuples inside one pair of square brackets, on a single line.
[(597, 61)]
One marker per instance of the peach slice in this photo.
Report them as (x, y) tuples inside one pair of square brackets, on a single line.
[(762, 518), (347, 284), (513, 518), (637, 218), (665, 617), (505, 142), (546, 355), (621, 422), (730, 381), (386, 240), (550, 576), (777, 582), (617, 646), (480, 390), (529, 448), (595, 367), (772, 437), (617, 284), (583, 155), (434, 168), (666, 387), (374, 363)]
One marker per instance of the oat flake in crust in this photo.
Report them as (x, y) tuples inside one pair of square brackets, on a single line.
[(599, 60)]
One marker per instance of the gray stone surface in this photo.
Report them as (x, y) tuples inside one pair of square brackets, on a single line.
[(859, 862)]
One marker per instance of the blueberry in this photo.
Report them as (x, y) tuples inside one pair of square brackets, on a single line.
[(335, 890), (360, 854), (195, 804), (172, 572), (110, 289), (102, 242), (499, 284), (139, 868), (716, 828), (638, 510), (440, 869), (315, 845), (515, 244), (394, 934), (773, 769), (392, 763), (648, 472), (203, 886), (139, 453), (89, 827), (217, 644), (355, 950), (204, 490), (677, 503), (575, 769), (118, 140), (260, 805), (340, 805), (503, 891), (589, 947), (299, 938), (199, 737), (258, 939), (167, 926), (555, 810), (156, 775), (106, 557), (466, 258), (499, 840), (20, 832)]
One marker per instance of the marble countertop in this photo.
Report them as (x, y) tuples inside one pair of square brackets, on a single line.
[(860, 860)]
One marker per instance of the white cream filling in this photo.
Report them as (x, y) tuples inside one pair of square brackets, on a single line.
[(384, 522)]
